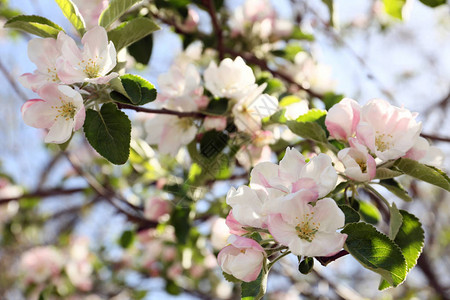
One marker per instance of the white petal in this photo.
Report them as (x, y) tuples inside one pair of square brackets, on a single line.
[(60, 131), (329, 215)]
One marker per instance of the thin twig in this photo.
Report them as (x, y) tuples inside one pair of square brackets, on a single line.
[(216, 26), (12, 82), (163, 111), (43, 193), (435, 137)]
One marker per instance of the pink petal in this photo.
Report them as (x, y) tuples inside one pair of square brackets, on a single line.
[(37, 113)]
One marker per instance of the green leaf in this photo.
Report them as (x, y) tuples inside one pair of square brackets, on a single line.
[(115, 10), (138, 90), (395, 188), (394, 7), (298, 34), (126, 239), (369, 213), (181, 222), (385, 173), (212, 143), (131, 32), (423, 172), (71, 12), (308, 125), (36, 25), (217, 107), (330, 99), (329, 4), (142, 50), (433, 3), (256, 289), (395, 221), (351, 215), (410, 238), (230, 278), (306, 265), (278, 117), (109, 132), (376, 252)]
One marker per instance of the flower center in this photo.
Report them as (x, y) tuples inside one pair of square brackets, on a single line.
[(53, 76), (306, 230), (184, 123), (90, 67), (362, 165), (67, 110), (383, 141)]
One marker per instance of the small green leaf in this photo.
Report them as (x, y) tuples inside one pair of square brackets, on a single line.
[(395, 188), (212, 143), (115, 10), (288, 100), (376, 252), (131, 32), (138, 90), (217, 107), (256, 289), (330, 99), (71, 12), (308, 130), (313, 115), (385, 173), (394, 7), (410, 238), (369, 213), (306, 265), (329, 4), (181, 222), (230, 278), (395, 221), (36, 25), (277, 118), (142, 50), (433, 3), (109, 132), (351, 215), (126, 239), (423, 172), (298, 34)]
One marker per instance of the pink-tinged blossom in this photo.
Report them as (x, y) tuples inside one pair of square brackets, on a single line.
[(156, 207), (252, 108), (248, 206), (258, 151), (43, 53), (215, 123), (307, 230), (294, 173), (343, 118), (388, 131), (426, 154), (191, 22), (91, 10), (170, 132), (61, 110), (243, 258), (92, 64), (219, 233), (231, 79), (359, 164), (79, 266), (234, 226), (41, 264)]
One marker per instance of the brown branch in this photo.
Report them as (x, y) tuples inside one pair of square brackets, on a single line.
[(12, 82), (163, 111), (209, 4), (435, 137), (425, 265), (325, 260), (44, 193)]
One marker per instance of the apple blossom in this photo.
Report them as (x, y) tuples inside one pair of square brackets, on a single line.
[(41, 263), (343, 118), (61, 110), (231, 79), (388, 131), (215, 123), (191, 22), (243, 258), (170, 132), (252, 108), (426, 154), (92, 64), (79, 273), (307, 230), (234, 226), (247, 206), (91, 10), (359, 164), (219, 233), (156, 207), (43, 53)]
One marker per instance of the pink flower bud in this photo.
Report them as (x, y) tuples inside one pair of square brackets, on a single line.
[(342, 119), (243, 258), (216, 123)]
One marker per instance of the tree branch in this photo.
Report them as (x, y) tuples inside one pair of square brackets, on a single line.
[(13, 83), (162, 111), (44, 193), (216, 26), (435, 137)]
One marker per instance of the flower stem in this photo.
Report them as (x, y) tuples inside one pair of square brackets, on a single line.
[(277, 259)]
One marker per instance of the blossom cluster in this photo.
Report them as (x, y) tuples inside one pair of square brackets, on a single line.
[(288, 200), (377, 132), (61, 68)]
